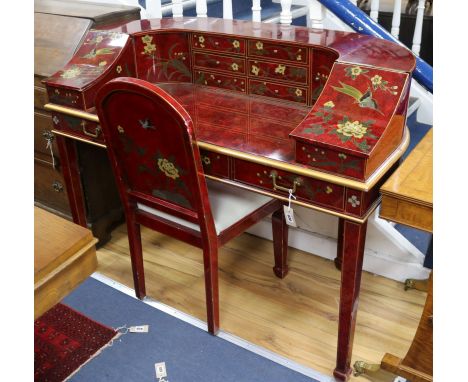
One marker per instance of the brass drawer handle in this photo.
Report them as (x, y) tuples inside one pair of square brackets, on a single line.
[(86, 132), (57, 186), (297, 183)]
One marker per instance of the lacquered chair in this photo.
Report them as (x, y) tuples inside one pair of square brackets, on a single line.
[(152, 148)]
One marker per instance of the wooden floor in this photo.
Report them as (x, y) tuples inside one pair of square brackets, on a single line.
[(295, 317)]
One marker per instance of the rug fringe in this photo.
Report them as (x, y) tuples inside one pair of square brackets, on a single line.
[(99, 351)]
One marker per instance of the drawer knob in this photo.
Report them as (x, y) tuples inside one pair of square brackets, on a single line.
[(57, 186), (297, 182)]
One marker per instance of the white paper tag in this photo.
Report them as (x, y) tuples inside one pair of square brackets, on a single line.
[(289, 216), (160, 370), (138, 329)]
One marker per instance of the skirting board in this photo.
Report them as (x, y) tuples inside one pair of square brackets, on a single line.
[(387, 252)]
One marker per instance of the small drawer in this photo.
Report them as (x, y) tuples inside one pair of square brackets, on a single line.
[(219, 43), (235, 65), (40, 97), (42, 133), (284, 92), (298, 54), (82, 128), (220, 80), (278, 71), (215, 164), (330, 160), (49, 187), (310, 190)]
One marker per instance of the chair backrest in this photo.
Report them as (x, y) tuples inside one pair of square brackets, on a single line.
[(152, 148)]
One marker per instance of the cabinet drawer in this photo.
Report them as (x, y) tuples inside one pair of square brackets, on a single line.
[(284, 92), (49, 188), (235, 65), (278, 71), (219, 43), (42, 132), (281, 51), (221, 81), (81, 128), (215, 164), (311, 190), (40, 97)]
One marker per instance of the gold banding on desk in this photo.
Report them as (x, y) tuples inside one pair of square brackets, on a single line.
[(64, 256)]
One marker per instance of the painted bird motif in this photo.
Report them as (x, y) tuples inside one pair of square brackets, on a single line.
[(146, 124), (364, 100)]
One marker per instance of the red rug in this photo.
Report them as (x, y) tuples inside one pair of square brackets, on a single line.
[(64, 340)]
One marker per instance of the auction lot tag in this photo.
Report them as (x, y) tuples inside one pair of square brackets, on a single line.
[(160, 370)]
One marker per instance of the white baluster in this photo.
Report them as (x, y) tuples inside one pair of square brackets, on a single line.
[(177, 9), (374, 10), (418, 28), (286, 15), (315, 19), (256, 8), (396, 18), (153, 9), (227, 9), (201, 8)]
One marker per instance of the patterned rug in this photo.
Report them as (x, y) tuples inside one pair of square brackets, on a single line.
[(64, 340)]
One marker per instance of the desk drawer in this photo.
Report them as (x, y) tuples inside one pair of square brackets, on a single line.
[(278, 71), (218, 43), (311, 190), (284, 92), (235, 65), (280, 51), (42, 132), (81, 128), (49, 187), (40, 97), (215, 164)]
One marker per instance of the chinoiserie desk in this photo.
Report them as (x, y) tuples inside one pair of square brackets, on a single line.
[(407, 199), (64, 256), (275, 109)]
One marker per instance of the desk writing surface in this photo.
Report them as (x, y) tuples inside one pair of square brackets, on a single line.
[(251, 124)]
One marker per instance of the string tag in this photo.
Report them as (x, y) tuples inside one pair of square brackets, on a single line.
[(161, 372), (289, 212), (49, 146), (138, 329)]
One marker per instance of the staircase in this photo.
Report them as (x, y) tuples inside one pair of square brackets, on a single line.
[(392, 251)]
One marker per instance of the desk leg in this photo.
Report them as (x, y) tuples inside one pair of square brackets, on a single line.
[(353, 240), (71, 174), (280, 243), (339, 253)]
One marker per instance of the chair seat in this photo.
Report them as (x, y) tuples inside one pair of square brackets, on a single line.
[(229, 204)]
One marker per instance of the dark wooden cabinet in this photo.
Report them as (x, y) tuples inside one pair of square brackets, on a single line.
[(59, 29)]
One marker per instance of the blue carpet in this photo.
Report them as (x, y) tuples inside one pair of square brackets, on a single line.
[(190, 354)]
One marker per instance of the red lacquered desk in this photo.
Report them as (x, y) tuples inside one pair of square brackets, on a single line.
[(275, 108)]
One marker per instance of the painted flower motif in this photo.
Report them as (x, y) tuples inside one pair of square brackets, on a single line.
[(298, 92), (99, 39), (234, 67), (299, 57), (255, 70), (120, 129), (103, 63), (56, 120), (356, 71), (329, 104), (376, 80), (236, 44), (118, 69), (280, 69), (147, 39), (329, 190), (352, 129), (71, 73), (201, 39), (149, 48), (168, 168), (342, 156), (353, 200), (259, 45)]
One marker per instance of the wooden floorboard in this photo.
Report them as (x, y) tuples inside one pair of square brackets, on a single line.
[(296, 317)]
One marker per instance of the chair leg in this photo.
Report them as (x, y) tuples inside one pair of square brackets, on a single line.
[(136, 255), (280, 243), (210, 261)]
